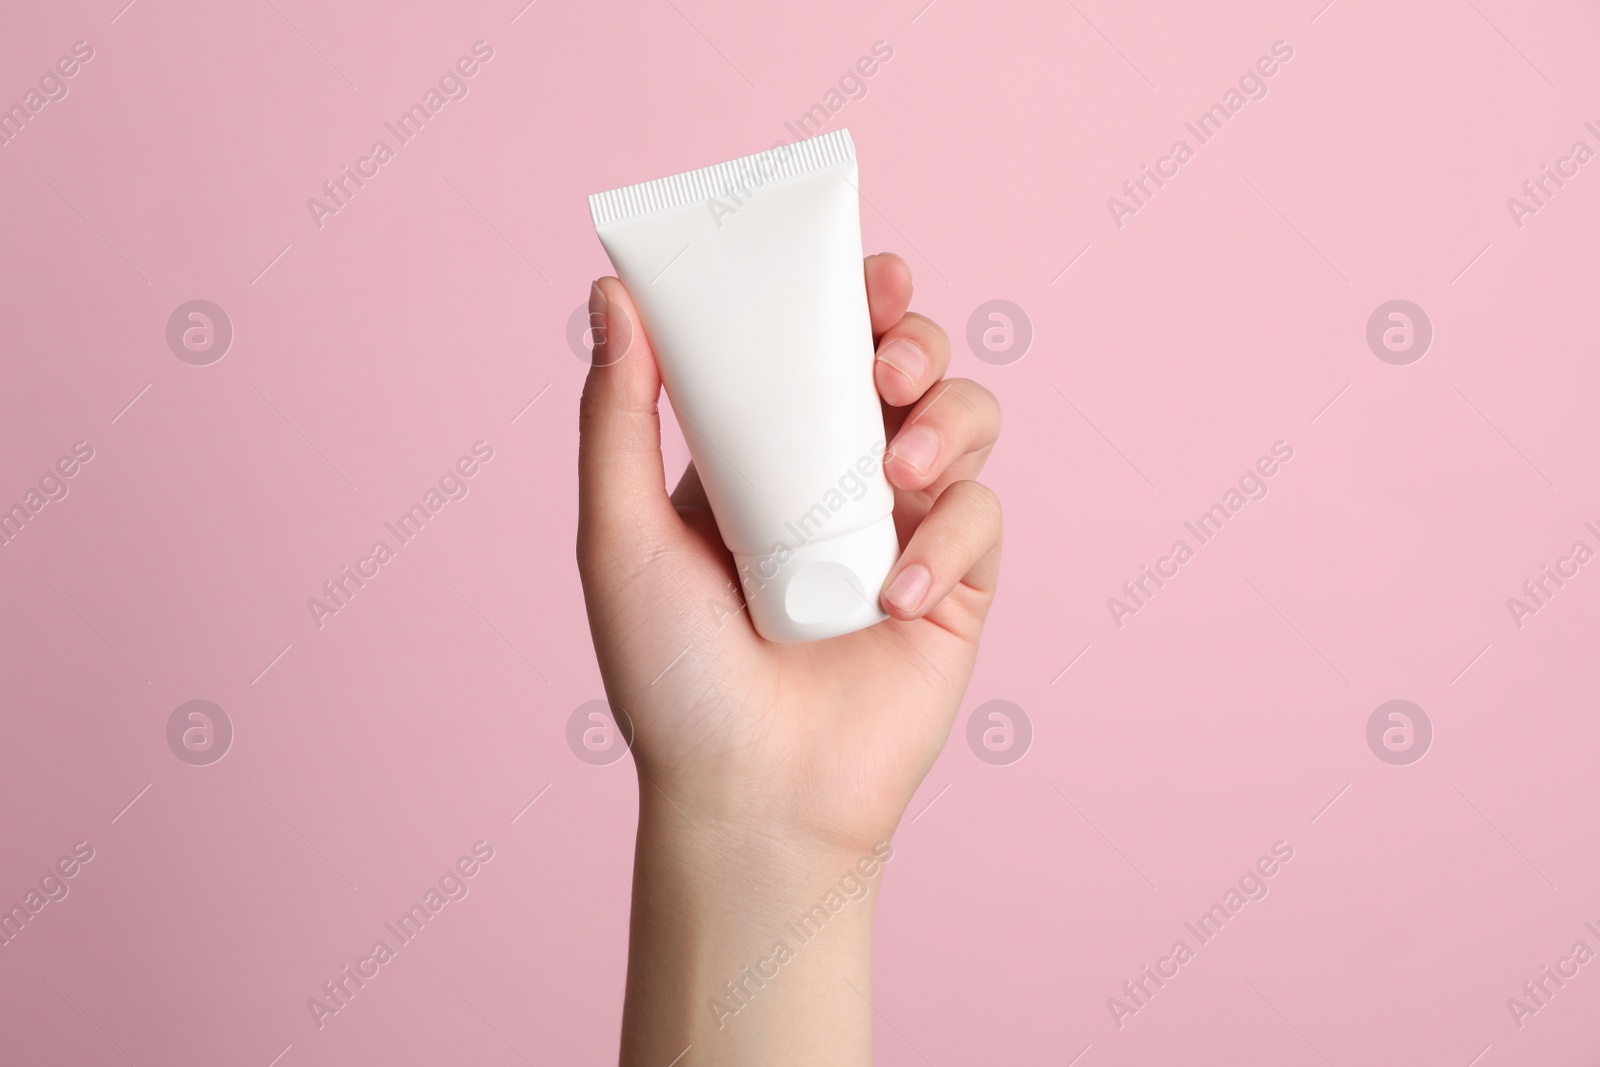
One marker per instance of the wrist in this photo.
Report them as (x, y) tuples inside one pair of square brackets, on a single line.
[(780, 819), (751, 867), (741, 934)]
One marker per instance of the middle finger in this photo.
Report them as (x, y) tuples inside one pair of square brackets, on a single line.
[(946, 437)]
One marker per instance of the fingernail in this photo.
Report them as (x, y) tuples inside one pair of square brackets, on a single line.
[(917, 446), (909, 587), (906, 357)]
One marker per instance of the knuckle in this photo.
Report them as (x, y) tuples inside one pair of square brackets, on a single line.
[(977, 398), (935, 337), (970, 407), (978, 503), (967, 393)]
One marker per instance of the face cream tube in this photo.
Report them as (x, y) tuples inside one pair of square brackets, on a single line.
[(749, 280)]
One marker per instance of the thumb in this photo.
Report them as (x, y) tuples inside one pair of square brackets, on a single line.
[(622, 494)]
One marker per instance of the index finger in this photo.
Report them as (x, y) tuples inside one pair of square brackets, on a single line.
[(888, 290)]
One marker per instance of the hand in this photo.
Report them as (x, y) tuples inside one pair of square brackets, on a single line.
[(826, 742), (768, 770)]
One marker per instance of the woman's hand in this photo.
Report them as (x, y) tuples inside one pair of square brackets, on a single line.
[(767, 771)]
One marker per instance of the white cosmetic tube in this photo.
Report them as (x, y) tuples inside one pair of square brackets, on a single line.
[(748, 276)]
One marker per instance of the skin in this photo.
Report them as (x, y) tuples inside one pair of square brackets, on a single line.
[(771, 774)]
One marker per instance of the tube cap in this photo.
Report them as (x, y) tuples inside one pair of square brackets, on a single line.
[(824, 588)]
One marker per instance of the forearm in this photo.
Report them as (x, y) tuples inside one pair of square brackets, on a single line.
[(750, 949)]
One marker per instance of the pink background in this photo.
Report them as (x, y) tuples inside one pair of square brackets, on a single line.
[(1225, 716)]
